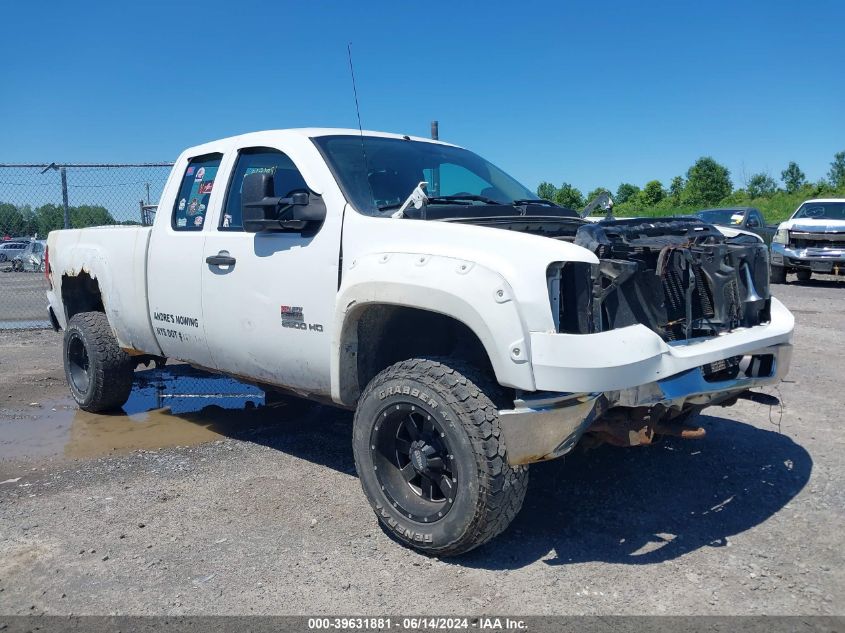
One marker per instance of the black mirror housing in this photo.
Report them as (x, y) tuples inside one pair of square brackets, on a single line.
[(257, 202), (261, 211)]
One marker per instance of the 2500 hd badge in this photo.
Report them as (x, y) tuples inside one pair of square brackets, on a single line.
[(293, 317)]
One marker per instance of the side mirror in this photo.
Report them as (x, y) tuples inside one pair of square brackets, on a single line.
[(258, 206), (261, 211)]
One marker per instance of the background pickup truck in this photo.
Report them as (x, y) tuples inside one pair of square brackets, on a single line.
[(812, 240), (473, 327), (744, 218)]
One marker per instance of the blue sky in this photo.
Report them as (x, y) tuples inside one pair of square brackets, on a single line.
[(590, 93)]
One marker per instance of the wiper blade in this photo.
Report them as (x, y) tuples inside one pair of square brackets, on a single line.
[(461, 198), (538, 201)]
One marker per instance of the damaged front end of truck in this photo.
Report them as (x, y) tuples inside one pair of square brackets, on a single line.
[(688, 311), (681, 278)]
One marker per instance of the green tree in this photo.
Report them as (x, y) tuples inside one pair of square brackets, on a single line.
[(87, 215), (30, 225), (625, 191), (793, 178), (11, 221), (652, 193), (546, 191), (707, 182), (676, 188), (761, 185), (569, 197), (836, 175), (48, 217)]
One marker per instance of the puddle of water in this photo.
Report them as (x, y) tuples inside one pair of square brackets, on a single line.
[(174, 406)]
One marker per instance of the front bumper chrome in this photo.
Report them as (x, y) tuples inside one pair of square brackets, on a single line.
[(785, 255), (548, 425)]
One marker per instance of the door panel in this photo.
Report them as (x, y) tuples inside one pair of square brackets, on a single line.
[(268, 314), (175, 265)]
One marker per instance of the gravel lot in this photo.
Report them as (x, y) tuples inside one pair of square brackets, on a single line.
[(257, 510)]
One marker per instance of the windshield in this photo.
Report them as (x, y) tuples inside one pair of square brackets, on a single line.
[(821, 211), (395, 166), (721, 216)]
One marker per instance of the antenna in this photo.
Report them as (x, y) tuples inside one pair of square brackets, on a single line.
[(360, 129), (355, 92)]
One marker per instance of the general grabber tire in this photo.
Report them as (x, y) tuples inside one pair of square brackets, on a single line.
[(430, 457), (98, 372), (778, 274)]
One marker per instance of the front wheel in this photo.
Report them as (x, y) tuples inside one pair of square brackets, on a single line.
[(778, 274), (98, 372), (431, 459)]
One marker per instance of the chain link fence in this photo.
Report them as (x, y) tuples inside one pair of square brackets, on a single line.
[(38, 198)]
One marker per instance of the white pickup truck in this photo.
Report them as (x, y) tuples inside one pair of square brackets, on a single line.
[(473, 327), (812, 240)]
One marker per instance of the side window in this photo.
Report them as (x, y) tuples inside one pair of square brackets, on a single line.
[(194, 192), (753, 220), (286, 180)]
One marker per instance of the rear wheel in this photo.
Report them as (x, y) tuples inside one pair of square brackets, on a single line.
[(430, 458), (804, 274), (778, 274), (98, 372)]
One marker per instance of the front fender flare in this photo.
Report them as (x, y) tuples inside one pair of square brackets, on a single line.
[(476, 296)]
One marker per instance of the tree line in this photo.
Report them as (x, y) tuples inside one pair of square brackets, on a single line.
[(19, 221), (708, 184)]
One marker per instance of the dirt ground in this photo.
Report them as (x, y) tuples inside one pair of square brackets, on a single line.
[(196, 503)]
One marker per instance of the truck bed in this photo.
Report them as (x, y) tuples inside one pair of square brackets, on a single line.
[(116, 257)]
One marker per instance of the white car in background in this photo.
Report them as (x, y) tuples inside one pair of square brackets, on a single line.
[(31, 258), (9, 249)]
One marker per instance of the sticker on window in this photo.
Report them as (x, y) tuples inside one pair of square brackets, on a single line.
[(195, 192), (260, 170)]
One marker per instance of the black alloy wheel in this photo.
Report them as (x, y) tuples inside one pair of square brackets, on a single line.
[(414, 464)]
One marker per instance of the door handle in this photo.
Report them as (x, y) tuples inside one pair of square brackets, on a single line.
[(221, 259)]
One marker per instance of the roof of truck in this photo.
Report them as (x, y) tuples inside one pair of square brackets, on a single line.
[(312, 132)]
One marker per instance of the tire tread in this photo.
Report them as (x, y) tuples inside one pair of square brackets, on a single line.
[(473, 394), (111, 373)]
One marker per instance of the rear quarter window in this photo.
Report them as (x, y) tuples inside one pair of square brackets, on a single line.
[(198, 182)]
